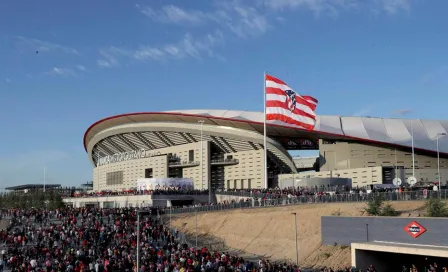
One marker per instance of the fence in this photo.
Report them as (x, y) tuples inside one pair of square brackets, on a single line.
[(335, 198), (247, 193)]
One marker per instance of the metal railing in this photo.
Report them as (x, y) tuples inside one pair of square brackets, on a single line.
[(277, 193), (336, 198), (183, 163), (225, 161)]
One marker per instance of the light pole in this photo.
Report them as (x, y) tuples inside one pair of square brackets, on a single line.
[(196, 225), (138, 236), (297, 239), (202, 163), (138, 241), (98, 168), (45, 178), (438, 160)]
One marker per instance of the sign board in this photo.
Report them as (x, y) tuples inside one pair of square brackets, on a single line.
[(164, 183), (298, 144), (414, 229), (126, 156)]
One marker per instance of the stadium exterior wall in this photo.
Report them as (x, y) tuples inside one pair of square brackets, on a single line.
[(346, 230), (346, 155), (362, 149), (248, 172)]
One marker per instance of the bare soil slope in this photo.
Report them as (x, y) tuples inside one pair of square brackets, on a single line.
[(269, 232)]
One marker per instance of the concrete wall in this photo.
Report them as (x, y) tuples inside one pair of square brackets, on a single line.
[(248, 173), (135, 169), (387, 258), (359, 176), (347, 230), (344, 155), (229, 198), (132, 200), (288, 180)]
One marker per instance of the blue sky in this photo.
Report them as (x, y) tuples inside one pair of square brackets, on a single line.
[(66, 64)]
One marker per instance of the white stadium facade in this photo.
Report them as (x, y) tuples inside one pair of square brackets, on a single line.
[(224, 149)]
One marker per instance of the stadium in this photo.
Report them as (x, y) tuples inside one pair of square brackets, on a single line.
[(159, 145)]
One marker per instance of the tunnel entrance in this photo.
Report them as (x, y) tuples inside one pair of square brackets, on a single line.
[(181, 203), (394, 257)]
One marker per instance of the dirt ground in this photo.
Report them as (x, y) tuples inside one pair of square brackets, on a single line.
[(269, 232)]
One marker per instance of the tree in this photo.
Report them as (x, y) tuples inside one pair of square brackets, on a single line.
[(436, 208), (388, 210), (377, 207), (374, 205)]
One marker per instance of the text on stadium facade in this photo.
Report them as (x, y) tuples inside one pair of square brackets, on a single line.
[(126, 156)]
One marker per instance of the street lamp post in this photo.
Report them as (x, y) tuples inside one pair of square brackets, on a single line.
[(438, 160), (297, 239), (138, 241), (196, 225), (138, 235), (98, 169), (202, 164)]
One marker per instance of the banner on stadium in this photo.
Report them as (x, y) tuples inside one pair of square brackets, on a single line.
[(298, 144), (164, 183)]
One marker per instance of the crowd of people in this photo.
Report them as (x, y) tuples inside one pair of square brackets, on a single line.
[(156, 191), (105, 240), (273, 193)]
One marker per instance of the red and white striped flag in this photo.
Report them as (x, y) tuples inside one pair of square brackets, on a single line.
[(285, 105)]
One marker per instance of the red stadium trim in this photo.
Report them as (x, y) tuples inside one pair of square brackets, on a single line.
[(250, 122)]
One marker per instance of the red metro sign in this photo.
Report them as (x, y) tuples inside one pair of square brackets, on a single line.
[(414, 229)]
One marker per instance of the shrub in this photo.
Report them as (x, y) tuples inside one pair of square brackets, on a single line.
[(436, 208), (376, 207), (388, 210)]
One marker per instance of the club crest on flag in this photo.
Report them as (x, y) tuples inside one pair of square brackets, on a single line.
[(290, 100)]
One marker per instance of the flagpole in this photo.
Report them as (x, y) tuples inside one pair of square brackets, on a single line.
[(413, 154), (45, 178), (264, 135)]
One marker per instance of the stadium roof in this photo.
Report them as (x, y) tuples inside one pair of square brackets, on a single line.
[(393, 132), (32, 186)]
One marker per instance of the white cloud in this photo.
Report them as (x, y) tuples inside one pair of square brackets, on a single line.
[(188, 46), (440, 73), (395, 6), (57, 71), (109, 58), (81, 68), (238, 18), (316, 6), (248, 22), (34, 45), (401, 112), (334, 7), (173, 14), (232, 16), (364, 111)]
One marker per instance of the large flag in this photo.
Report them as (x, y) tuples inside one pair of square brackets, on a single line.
[(285, 105)]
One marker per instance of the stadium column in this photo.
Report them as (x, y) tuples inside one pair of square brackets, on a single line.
[(297, 238), (201, 122), (438, 161)]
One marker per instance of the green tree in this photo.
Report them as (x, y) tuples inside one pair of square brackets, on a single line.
[(374, 205), (436, 208), (388, 210), (377, 207)]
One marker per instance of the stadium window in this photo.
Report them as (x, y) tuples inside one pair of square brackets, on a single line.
[(148, 173)]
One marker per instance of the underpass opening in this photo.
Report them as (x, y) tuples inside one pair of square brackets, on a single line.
[(393, 257), (182, 203)]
